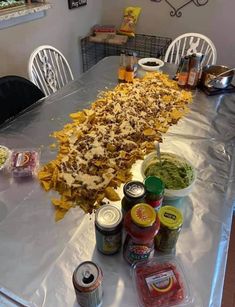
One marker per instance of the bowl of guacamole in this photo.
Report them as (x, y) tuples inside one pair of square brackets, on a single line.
[(176, 172)]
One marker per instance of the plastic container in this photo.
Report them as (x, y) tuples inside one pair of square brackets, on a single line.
[(161, 282), (24, 163), (5, 155), (170, 194)]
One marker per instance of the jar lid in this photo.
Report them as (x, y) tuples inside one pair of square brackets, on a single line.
[(170, 217), (154, 185), (108, 217), (134, 189), (143, 215)]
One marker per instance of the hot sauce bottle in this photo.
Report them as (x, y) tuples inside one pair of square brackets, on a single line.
[(194, 71), (122, 67), (184, 72), (141, 224), (129, 75)]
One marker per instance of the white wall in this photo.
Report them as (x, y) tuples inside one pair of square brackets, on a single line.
[(216, 20), (61, 28)]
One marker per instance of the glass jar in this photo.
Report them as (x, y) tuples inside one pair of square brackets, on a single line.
[(134, 193), (141, 224), (154, 191), (171, 221), (108, 229)]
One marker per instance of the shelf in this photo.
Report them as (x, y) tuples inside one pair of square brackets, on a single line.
[(16, 15)]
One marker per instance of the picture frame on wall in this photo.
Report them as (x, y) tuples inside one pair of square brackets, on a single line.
[(73, 4)]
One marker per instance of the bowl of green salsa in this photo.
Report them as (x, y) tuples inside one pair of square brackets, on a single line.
[(176, 172)]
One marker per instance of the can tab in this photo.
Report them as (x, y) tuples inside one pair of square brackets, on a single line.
[(87, 277)]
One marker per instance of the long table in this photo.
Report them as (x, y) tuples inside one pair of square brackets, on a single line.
[(38, 255)]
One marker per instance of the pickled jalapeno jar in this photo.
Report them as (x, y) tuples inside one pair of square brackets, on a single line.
[(141, 224), (171, 221), (154, 192), (134, 193), (108, 229)]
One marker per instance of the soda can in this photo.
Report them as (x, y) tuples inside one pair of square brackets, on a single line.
[(87, 281)]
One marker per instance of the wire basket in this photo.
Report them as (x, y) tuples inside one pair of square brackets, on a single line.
[(144, 45)]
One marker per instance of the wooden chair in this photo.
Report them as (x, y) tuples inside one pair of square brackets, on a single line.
[(49, 69), (189, 43), (16, 95)]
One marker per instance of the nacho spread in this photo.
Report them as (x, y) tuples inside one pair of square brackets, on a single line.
[(175, 174), (97, 149)]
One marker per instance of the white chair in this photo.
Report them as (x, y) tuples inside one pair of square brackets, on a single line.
[(189, 43), (48, 69)]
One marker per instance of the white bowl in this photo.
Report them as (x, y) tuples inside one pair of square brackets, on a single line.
[(142, 62), (170, 194)]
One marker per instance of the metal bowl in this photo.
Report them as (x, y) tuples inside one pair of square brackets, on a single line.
[(209, 72)]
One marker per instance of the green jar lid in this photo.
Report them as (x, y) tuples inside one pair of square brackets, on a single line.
[(154, 185), (170, 217)]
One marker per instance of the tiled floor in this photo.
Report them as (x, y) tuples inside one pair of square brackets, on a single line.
[(229, 283)]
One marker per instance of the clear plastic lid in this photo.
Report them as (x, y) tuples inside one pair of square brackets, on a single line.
[(161, 282)]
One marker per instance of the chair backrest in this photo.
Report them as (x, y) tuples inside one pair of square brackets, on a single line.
[(189, 43), (16, 95), (48, 69)]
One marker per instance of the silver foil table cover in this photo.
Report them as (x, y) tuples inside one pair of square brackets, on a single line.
[(38, 256)]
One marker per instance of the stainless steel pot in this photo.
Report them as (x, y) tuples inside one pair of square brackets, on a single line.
[(209, 73)]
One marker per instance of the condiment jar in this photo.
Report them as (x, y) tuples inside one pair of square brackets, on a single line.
[(108, 229), (171, 221), (134, 193), (154, 191), (141, 224)]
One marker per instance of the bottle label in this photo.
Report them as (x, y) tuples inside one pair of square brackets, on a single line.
[(183, 78), (192, 77), (162, 282), (108, 244), (156, 204), (137, 252)]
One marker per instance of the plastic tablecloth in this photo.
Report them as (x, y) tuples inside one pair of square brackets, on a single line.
[(38, 255)]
